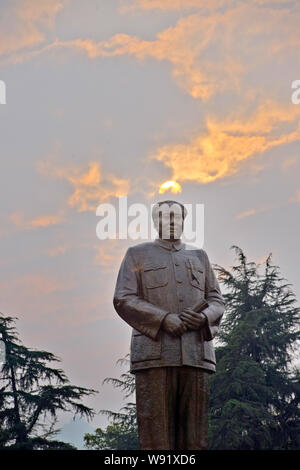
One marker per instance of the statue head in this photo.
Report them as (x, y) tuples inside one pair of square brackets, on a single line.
[(168, 218)]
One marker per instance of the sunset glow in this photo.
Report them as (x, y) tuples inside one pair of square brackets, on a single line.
[(173, 186)]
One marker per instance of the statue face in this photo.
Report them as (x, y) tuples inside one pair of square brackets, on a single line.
[(169, 221)]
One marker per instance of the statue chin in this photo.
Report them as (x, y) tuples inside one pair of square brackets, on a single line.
[(171, 235)]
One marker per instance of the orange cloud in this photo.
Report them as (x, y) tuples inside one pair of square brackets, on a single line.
[(38, 297), (22, 22), (18, 219), (45, 221), (34, 285), (172, 186), (172, 4), (296, 197), (188, 4), (290, 163), (57, 250), (247, 213), (209, 53), (90, 187), (180, 45), (219, 152), (109, 254)]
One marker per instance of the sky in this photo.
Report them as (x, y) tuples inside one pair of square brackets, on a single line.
[(111, 98)]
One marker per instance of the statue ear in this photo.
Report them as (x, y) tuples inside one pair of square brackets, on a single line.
[(156, 221)]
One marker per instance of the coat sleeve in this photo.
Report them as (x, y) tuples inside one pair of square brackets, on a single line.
[(137, 312), (215, 300)]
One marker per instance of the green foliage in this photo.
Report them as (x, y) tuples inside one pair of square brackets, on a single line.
[(121, 434), (31, 393), (255, 391)]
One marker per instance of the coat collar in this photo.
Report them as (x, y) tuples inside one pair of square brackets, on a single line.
[(169, 245)]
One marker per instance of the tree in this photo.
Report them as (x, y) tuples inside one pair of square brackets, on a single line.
[(32, 392), (121, 434), (255, 391)]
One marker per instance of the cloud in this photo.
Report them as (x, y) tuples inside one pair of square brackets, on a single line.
[(109, 254), (22, 23), (253, 211), (226, 144), (34, 285), (57, 250), (48, 302), (180, 45), (192, 4), (18, 219), (172, 4), (247, 213), (290, 163), (296, 197), (209, 53), (172, 186), (90, 187)]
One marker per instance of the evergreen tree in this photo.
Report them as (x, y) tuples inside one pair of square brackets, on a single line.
[(255, 392), (31, 392), (121, 434)]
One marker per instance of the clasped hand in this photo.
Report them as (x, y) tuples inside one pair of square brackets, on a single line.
[(187, 319)]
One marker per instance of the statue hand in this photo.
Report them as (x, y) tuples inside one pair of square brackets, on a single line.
[(174, 325), (192, 319)]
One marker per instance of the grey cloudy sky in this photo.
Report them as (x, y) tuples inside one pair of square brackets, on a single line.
[(106, 98)]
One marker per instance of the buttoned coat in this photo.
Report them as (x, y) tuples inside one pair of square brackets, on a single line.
[(159, 278)]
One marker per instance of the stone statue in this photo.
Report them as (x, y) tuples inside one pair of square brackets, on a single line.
[(172, 353)]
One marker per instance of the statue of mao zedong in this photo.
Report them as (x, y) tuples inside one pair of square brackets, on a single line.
[(172, 352)]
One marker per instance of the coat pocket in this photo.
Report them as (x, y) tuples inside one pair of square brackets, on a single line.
[(196, 273), (155, 276), (209, 352), (144, 348)]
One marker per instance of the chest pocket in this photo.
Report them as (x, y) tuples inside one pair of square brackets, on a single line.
[(155, 275), (195, 272)]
